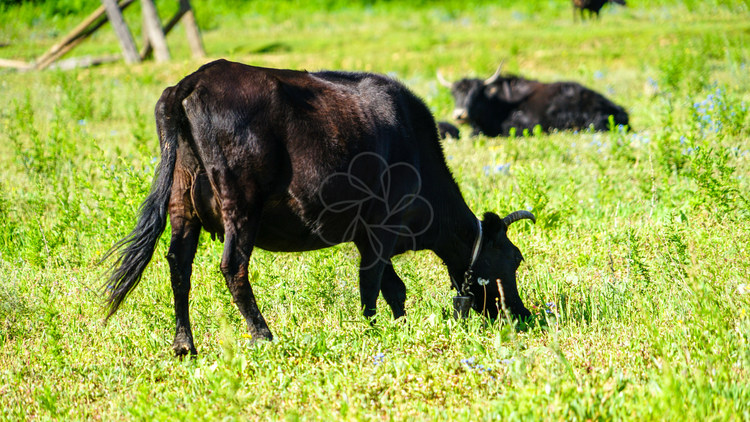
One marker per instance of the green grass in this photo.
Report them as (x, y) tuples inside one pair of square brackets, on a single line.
[(638, 264)]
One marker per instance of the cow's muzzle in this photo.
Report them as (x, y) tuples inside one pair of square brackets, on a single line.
[(460, 115)]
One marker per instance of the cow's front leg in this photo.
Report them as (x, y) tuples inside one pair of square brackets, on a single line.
[(394, 290), (369, 287), (372, 267)]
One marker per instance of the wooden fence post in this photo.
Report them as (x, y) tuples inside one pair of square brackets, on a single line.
[(191, 28), (154, 36), (121, 29), (154, 31), (77, 35)]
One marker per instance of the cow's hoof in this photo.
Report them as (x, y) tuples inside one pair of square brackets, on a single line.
[(183, 345), (261, 336), (183, 350)]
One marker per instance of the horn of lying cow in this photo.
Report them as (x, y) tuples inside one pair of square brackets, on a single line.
[(492, 79), (518, 215), (444, 82)]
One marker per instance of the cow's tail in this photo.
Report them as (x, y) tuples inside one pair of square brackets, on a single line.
[(134, 252)]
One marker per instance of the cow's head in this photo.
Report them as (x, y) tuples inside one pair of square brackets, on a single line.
[(493, 275), (483, 104)]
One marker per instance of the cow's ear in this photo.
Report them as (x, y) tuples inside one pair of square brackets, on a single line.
[(507, 92), (494, 228), (501, 91), (518, 91)]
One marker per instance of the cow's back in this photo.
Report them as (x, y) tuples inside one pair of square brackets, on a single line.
[(290, 134), (274, 124), (570, 105)]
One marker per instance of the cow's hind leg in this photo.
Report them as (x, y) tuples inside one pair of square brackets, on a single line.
[(238, 246), (182, 249), (239, 198)]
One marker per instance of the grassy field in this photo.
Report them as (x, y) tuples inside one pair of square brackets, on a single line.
[(637, 269)]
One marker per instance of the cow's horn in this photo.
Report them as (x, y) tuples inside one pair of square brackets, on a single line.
[(518, 215), (492, 79), (444, 82)]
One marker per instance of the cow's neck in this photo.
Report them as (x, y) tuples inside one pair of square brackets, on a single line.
[(455, 242), (454, 229)]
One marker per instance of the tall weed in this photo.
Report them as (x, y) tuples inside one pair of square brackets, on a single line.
[(535, 190), (721, 113), (717, 188), (685, 68), (16, 308), (9, 226)]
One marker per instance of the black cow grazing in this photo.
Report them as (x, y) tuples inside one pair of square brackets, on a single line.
[(592, 6), (447, 130), (496, 105), (293, 161)]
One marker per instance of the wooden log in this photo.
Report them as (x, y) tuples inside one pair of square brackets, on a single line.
[(86, 61), (97, 18), (191, 28), (114, 14), (147, 48), (154, 31), (127, 44), (16, 64), (168, 28), (176, 18), (46, 60), (43, 64), (144, 33)]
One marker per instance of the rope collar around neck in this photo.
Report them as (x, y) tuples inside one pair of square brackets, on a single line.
[(464, 290)]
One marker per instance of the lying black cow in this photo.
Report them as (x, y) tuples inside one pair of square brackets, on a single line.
[(295, 161), (496, 105), (592, 6)]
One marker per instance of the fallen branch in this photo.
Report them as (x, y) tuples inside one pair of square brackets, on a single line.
[(86, 61), (16, 64), (89, 25)]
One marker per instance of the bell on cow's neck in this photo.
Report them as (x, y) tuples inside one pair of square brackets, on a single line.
[(461, 306)]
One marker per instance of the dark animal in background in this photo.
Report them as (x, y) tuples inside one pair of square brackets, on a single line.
[(446, 130), (591, 6), (294, 161), (495, 105)]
